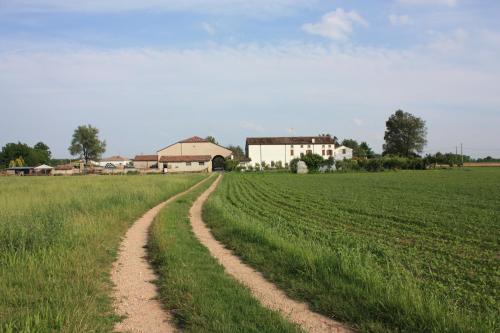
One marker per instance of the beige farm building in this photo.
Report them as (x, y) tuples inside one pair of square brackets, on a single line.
[(190, 155)]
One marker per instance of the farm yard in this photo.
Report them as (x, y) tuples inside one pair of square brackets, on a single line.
[(407, 251), (58, 239)]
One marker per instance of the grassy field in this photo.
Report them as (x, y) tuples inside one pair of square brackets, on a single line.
[(409, 251), (58, 239), (194, 286)]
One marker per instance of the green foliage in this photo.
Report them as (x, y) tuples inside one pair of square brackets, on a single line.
[(313, 161), (58, 239), (293, 165), (486, 159), (237, 151), (211, 139), (365, 151), (230, 165), (445, 159), (31, 156), (389, 252), (195, 287), (405, 134), (86, 143)]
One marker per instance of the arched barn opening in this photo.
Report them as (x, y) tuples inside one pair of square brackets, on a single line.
[(218, 163)]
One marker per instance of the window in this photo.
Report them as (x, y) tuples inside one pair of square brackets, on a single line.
[(291, 146), (301, 155), (308, 146), (291, 152), (323, 152), (343, 151), (323, 146), (329, 146), (309, 151), (329, 152), (301, 146), (202, 163), (188, 163)]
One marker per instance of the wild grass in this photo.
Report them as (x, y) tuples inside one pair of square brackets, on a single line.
[(194, 287), (411, 251), (58, 239)]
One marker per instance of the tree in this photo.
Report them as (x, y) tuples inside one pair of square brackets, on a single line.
[(237, 151), (405, 134), (86, 143), (43, 148), (211, 139), (365, 150), (31, 156)]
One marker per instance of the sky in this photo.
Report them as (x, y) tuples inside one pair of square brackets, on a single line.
[(152, 72)]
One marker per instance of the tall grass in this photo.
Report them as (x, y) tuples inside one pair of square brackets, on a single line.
[(388, 252), (58, 239), (194, 286)]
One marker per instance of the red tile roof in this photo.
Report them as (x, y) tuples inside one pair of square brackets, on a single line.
[(185, 158), (193, 139), (146, 158), (290, 140)]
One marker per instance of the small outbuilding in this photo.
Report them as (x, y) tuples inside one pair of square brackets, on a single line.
[(43, 170), (20, 171)]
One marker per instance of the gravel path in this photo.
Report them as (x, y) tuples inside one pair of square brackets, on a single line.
[(133, 276), (267, 293)]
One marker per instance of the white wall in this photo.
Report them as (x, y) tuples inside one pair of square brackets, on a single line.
[(343, 152), (268, 153)]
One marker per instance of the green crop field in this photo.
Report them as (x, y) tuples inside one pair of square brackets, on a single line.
[(408, 251), (58, 239)]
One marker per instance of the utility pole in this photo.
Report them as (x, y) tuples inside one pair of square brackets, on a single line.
[(462, 153)]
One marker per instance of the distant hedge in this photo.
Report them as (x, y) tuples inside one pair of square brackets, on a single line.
[(383, 163)]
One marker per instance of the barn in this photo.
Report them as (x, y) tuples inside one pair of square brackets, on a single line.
[(193, 154)]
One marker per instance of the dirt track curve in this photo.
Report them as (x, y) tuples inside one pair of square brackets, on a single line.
[(133, 276), (267, 293)]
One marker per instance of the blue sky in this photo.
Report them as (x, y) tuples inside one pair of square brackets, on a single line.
[(148, 73)]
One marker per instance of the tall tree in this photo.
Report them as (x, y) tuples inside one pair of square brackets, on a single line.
[(211, 139), (365, 150), (405, 134), (237, 151), (42, 147), (86, 143)]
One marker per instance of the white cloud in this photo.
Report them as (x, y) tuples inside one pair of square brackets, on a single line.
[(400, 20), (167, 94), (450, 3), (209, 29), (336, 25)]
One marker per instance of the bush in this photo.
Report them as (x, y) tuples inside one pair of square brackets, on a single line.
[(373, 165), (293, 165), (230, 165), (347, 165), (313, 162)]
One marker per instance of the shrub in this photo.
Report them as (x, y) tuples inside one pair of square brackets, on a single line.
[(293, 165), (230, 165), (373, 165), (313, 161)]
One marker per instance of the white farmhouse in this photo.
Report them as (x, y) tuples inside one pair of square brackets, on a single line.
[(284, 149)]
